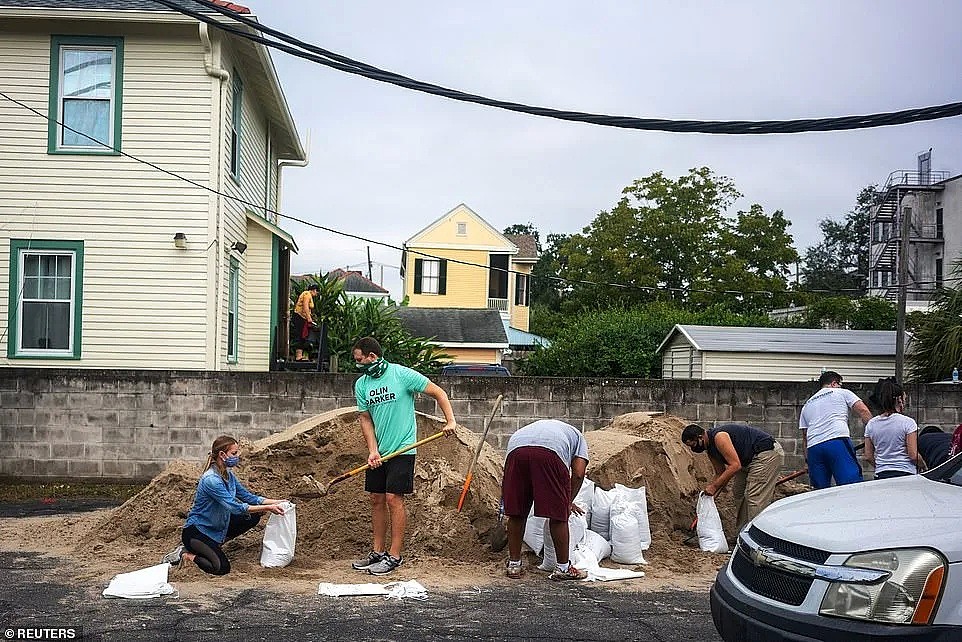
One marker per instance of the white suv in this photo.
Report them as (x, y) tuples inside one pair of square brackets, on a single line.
[(879, 560)]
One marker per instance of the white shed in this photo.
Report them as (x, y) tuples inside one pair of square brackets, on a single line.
[(775, 354)]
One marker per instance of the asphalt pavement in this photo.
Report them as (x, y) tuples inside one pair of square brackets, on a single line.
[(34, 594)]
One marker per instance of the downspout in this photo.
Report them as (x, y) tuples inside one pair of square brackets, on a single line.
[(291, 163), (223, 76)]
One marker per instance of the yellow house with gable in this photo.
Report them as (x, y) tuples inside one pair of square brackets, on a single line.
[(460, 261)]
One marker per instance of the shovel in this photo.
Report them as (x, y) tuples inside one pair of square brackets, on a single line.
[(477, 452), (320, 490)]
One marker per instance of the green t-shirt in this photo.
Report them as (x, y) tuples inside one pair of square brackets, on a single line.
[(390, 401)]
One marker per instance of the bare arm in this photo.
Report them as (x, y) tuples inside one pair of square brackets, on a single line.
[(444, 404), (869, 454), (579, 467), (723, 442), (367, 429), (912, 446), (862, 411)]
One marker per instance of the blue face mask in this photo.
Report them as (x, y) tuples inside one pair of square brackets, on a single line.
[(230, 462)]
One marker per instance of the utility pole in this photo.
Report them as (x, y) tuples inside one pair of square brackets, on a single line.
[(369, 263), (902, 292)]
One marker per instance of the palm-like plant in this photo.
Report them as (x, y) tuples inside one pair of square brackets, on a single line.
[(936, 346), (348, 319)]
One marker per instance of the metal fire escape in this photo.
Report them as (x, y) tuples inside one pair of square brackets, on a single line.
[(885, 230)]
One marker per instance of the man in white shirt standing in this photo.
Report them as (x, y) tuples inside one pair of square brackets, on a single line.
[(826, 438)]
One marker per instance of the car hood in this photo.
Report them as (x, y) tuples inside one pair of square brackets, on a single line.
[(887, 513)]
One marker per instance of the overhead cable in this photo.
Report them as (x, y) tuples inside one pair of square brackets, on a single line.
[(308, 51)]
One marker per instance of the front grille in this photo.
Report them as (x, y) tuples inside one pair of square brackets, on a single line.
[(790, 549), (768, 582)]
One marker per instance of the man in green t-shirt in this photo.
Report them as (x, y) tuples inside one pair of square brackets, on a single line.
[(385, 396)]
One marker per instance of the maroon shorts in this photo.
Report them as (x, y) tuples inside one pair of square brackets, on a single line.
[(536, 475)]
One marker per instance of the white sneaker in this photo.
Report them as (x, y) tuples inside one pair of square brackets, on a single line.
[(173, 558)]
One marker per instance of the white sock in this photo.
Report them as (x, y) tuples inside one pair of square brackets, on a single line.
[(514, 562), (564, 567)]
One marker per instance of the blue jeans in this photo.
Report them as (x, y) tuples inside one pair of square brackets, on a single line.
[(833, 458)]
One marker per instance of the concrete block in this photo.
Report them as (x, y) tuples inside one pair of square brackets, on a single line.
[(518, 408), (118, 469), (118, 434), (220, 403), (748, 413), (582, 410), (687, 411), (780, 413), (551, 410), (148, 469), (52, 467), (568, 390), (185, 436), (50, 434), (17, 400), (84, 468), (17, 467), (235, 421), (711, 412), (9, 417), (186, 403), (66, 451), (263, 403)]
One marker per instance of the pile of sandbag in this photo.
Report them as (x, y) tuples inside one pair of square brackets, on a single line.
[(614, 524)]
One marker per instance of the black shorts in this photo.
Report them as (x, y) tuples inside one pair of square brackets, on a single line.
[(395, 476)]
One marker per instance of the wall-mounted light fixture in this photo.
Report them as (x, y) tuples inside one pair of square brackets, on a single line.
[(239, 247), (180, 240)]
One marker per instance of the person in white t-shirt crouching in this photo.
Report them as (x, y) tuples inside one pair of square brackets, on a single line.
[(825, 435), (891, 438)]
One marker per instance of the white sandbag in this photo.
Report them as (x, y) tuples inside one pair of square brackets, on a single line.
[(140, 585), (534, 532), (576, 532), (279, 538), (601, 502), (711, 535), (625, 542), (635, 502), (584, 498), (597, 544)]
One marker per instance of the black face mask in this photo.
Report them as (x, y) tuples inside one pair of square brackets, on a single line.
[(698, 448)]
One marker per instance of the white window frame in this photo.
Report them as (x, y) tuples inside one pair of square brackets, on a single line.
[(20, 350), (430, 282)]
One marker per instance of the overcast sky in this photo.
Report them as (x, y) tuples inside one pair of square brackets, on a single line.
[(386, 161)]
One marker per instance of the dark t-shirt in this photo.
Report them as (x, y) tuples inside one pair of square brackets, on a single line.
[(934, 447), (747, 441)]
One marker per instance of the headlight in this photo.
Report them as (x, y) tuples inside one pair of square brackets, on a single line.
[(907, 596)]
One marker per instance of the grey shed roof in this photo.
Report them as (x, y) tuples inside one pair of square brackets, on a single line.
[(114, 5), (454, 325), (790, 340)]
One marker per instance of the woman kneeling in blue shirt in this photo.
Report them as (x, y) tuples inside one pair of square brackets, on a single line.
[(223, 509)]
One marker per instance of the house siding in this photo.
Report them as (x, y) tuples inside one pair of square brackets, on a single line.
[(251, 186), (473, 355), (520, 314), (759, 366), (256, 342), (144, 302), (680, 360), (467, 285)]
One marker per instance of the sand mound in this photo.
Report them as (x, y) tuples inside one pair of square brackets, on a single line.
[(335, 526)]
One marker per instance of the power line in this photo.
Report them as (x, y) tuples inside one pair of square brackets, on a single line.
[(551, 279), (337, 61)]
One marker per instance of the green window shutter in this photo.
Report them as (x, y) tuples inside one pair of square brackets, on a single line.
[(527, 290), (418, 271), (518, 294), (443, 277)]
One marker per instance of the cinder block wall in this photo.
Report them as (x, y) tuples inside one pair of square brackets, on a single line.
[(123, 424)]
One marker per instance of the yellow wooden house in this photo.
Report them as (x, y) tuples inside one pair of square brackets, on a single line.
[(460, 261)]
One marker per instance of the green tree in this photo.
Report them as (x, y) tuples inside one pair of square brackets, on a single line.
[(666, 239), (525, 228), (840, 261), (620, 341), (547, 290)]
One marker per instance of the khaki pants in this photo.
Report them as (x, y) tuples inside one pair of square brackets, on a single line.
[(754, 485)]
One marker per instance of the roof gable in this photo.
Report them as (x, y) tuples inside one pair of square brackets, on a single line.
[(354, 281), (478, 232)]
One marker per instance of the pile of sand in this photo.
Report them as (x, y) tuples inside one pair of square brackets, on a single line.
[(442, 545)]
